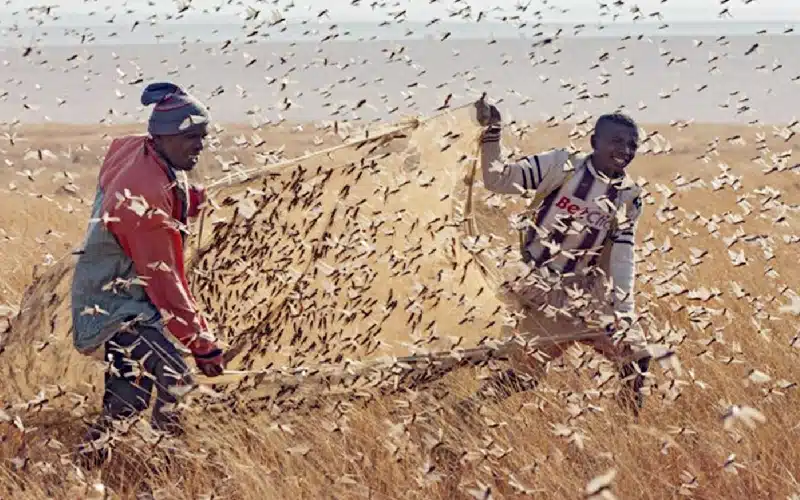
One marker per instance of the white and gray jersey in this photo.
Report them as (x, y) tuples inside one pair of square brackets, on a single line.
[(576, 221)]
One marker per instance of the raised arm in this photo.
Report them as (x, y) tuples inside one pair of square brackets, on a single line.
[(519, 176), (150, 237)]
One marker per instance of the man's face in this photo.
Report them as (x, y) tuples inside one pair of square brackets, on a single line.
[(183, 150), (615, 146)]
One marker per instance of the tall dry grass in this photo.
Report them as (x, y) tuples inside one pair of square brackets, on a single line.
[(546, 444)]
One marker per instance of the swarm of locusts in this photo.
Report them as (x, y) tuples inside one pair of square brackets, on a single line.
[(353, 275)]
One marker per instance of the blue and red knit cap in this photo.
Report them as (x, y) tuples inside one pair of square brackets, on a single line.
[(175, 111)]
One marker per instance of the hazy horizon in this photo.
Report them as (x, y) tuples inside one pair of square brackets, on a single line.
[(566, 11), (299, 31)]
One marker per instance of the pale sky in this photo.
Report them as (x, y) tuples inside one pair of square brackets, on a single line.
[(342, 10)]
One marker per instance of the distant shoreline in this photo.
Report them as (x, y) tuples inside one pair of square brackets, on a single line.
[(120, 33), (235, 21), (109, 44)]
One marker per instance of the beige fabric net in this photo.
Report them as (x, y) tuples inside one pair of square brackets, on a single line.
[(329, 267), (345, 257)]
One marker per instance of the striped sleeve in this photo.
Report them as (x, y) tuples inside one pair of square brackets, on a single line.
[(515, 177), (622, 258)]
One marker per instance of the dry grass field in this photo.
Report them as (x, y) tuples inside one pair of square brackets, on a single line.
[(722, 311)]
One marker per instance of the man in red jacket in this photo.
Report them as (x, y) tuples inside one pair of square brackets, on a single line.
[(129, 288)]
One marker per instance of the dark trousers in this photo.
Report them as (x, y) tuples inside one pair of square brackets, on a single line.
[(141, 360)]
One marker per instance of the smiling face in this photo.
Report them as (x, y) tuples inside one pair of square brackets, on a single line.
[(615, 146), (183, 150)]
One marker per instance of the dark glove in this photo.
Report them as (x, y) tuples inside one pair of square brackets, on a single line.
[(644, 363), (211, 364), (487, 114)]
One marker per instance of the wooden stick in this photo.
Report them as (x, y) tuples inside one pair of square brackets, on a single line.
[(442, 360)]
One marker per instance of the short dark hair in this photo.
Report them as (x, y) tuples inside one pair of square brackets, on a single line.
[(616, 117)]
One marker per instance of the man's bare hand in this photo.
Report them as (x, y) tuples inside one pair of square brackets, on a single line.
[(486, 113)]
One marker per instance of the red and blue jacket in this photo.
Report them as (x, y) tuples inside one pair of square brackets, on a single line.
[(131, 266)]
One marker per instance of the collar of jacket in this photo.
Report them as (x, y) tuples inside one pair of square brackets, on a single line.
[(180, 187), (621, 181), (150, 148)]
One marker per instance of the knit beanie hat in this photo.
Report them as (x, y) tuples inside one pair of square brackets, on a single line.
[(175, 111)]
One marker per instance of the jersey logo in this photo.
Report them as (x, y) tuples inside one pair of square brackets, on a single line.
[(595, 217)]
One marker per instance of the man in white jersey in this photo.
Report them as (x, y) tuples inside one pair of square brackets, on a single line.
[(578, 270)]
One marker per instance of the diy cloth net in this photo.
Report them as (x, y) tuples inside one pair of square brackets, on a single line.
[(368, 265)]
